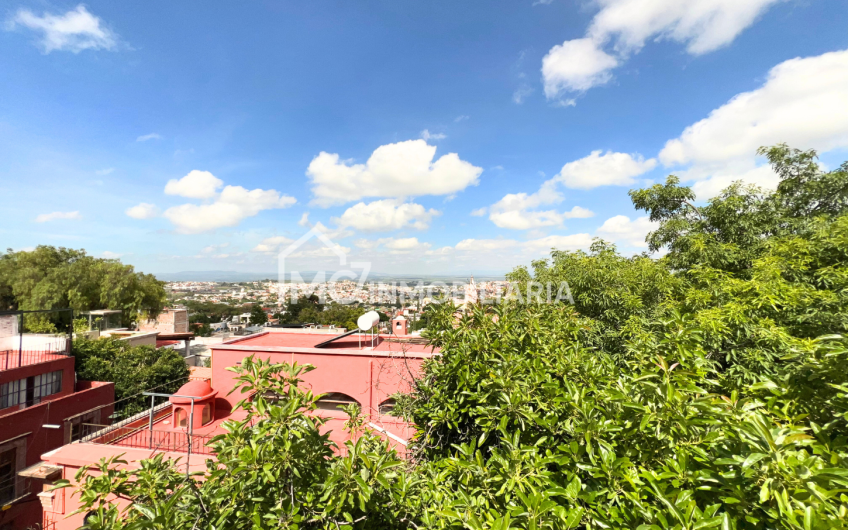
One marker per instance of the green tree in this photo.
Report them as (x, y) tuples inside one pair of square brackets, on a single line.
[(132, 369), (59, 278), (258, 316)]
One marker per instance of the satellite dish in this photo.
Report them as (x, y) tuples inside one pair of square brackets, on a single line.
[(368, 320)]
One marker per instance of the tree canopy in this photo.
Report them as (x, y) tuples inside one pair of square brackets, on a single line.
[(133, 369), (58, 278)]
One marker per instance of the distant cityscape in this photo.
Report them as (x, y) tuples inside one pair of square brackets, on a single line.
[(273, 295)]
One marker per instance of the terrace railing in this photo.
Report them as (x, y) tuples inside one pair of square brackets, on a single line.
[(145, 438), (20, 348)]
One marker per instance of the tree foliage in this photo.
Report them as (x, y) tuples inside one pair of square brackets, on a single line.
[(59, 278), (133, 369), (310, 310)]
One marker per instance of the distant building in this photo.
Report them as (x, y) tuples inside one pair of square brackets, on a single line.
[(168, 322), (42, 407), (400, 326)]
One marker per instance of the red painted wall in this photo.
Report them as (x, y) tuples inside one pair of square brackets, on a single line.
[(40, 439)]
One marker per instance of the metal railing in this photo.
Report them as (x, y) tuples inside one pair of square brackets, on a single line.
[(145, 438), (21, 348)]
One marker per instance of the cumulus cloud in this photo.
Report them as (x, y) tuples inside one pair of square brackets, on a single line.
[(479, 212), (576, 65), (620, 229), (516, 211), (798, 104), (143, 210), (73, 31), (196, 185), (403, 169), (609, 169), (624, 26), (304, 219), (385, 215), (534, 247), (146, 137), (273, 244), (45, 217), (233, 205), (405, 245), (427, 135)]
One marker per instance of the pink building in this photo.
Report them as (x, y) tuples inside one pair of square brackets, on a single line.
[(350, 368), (42, 407)]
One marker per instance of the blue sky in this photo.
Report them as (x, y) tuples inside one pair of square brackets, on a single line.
[(442, 137)]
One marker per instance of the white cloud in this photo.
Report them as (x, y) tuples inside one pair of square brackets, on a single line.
[(620, 229), (798, 104), (427, 135), (143, 210), (460, 118), (45, 217), (521, 93), (405, 245), (272, 244), (385, 215), (196, 185), (105, 171), (570, 242), (232, 206), (516, 210), (609, 169), (213, 248), (576, 65), (74, 31), (403, 169), (367, 244), (485, 245), (146, 137), (479, 212), (624, 26), (304, 219), (534, 247), (333, 233), (106, 254), (702, 25)]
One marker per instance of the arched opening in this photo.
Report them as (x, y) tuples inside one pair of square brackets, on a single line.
[(180, 417), (206, 414), (334, 401), (387, 406)]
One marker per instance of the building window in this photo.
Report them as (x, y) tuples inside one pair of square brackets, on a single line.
[(13, 393), (206, 415), (334, 401), (30, 391), (8, 464), (386, 407), (46, 384)]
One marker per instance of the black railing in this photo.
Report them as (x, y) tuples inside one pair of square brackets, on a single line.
[(18, 347)]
